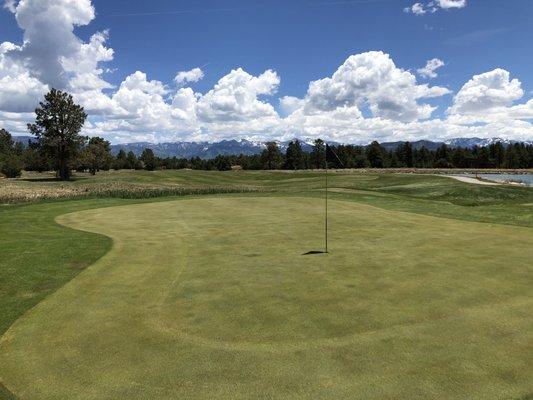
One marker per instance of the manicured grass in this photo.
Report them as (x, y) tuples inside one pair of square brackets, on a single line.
[(211, 298), (38, 256)]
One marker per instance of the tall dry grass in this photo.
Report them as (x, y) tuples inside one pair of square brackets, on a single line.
[(12, 193)]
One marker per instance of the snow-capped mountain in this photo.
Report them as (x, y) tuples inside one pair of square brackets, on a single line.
[(208, 150), (204, 150), (471, 142)]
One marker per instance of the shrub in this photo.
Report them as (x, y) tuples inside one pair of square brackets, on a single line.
[(11, 165)]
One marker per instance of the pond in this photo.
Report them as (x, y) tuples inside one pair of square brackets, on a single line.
[(526, 179)]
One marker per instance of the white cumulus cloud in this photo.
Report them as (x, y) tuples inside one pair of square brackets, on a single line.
[(143, 108), (192, 76), (487, 91), (419, 9), (372, 80), (10, 5), (289, 104), (366, 98), (430, 70), (19, 90), (445, 4), (433, 6), (51, 55), (235, 97)]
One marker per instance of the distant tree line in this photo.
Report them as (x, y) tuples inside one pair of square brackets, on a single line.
[(496, 155), (94, 155), (60, 147)]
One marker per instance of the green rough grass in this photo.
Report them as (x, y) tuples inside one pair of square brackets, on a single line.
[(41, 256), (6, 394), (38, 255), (211, 298)]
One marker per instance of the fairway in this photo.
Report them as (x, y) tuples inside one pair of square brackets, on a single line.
[(212, 298)]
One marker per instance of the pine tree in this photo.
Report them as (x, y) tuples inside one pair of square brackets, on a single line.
[(57, 126), (318, 155), (11, 156), (374, 154), (149, 160), (121, 160), (294, 158), (97, 155), (271, 156)]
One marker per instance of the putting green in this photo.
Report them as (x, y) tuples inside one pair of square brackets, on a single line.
[(212, 299)]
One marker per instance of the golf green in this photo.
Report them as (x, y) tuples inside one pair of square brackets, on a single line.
[(212, 298)]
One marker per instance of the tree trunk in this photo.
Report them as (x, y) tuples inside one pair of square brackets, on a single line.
[(64, 170)]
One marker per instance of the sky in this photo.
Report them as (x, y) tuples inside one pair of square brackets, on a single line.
[(350, 71)]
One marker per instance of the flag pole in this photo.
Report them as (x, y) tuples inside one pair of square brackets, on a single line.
[(338, 160), (326, 224)]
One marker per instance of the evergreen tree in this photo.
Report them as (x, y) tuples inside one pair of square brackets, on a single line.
[(11, 162), (57, 125), (294, 158), (442, 153), (121, 160), (318, 155), (149, 160), (35, 159), (394, 162), (459, 158), (271, 157), (222, 163), (11, 165), (497, 154), (6, 142), (97, 155), (404, 154), (374, 154), (132, 162)]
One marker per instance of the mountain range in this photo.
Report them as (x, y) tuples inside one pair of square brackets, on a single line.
[(208, 150)]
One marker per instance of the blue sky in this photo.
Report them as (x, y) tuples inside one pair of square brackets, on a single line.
[(307, 40), (301, 41)]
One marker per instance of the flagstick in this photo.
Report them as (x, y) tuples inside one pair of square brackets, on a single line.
[(342, 166), (326, 225)]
